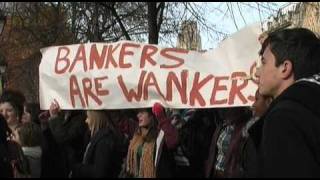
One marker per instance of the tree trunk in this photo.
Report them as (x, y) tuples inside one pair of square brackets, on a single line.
[(96, 23), (152, 23), (73, 21)]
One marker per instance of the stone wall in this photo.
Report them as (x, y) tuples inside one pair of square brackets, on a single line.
[(302, 14), (189, 36)]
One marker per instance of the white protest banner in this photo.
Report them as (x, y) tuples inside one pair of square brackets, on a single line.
[(128, 74)]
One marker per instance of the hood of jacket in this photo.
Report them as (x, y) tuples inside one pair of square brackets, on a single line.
[(306, 92)]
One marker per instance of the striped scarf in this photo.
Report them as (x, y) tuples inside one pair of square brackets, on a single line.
[(147, 168)]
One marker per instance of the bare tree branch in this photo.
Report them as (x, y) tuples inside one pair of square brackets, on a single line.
[(115, 14), (240, 12), (232, 15)]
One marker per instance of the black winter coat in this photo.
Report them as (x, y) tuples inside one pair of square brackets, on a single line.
[(69, 135), (53, 163), (287, 137), (103, 157), (5, 166)]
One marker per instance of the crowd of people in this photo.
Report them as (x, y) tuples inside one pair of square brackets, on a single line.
[(277, 137)]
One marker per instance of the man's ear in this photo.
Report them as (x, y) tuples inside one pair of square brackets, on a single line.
[(286, 69)]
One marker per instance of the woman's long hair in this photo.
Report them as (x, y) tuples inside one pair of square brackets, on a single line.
[(152, 128), (100, 120)]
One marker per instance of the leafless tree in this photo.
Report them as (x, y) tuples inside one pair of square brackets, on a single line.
[(35, 25)]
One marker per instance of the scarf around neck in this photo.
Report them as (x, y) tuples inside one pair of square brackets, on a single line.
[(146, 168)]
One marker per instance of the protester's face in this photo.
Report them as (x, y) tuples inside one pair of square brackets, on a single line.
[(268, 74), (9, 113), (177, 121), (144, 118), (26, 117), (260, 105)]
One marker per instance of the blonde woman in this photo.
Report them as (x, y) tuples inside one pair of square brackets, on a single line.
[(102, 157), (150, 152)]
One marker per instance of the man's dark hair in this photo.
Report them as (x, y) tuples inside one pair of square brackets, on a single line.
[(298, 45)]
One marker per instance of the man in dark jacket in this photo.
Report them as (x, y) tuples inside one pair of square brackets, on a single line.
[(287, 137), (67, 131)]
